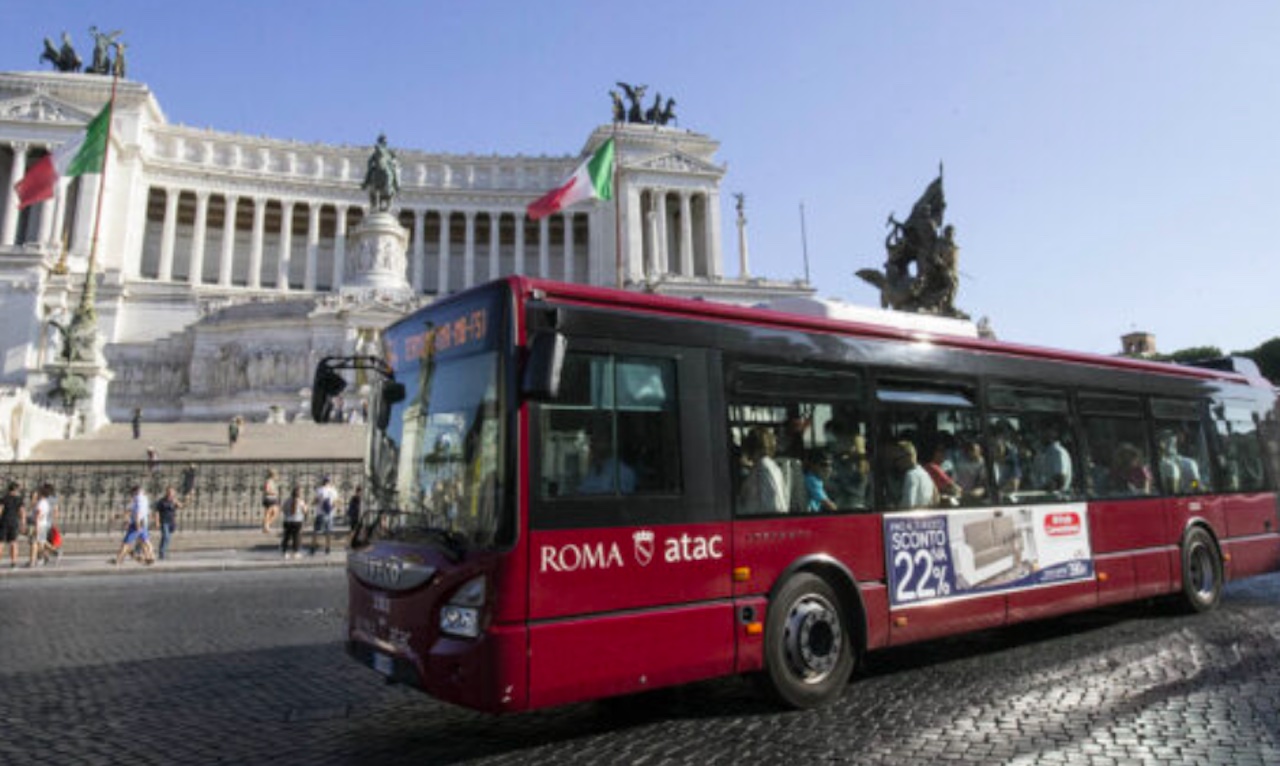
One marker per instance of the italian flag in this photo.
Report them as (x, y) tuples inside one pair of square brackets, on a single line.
[(82, 154), (592, 180)]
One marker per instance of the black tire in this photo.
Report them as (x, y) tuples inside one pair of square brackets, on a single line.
[(1201, 571), (809, 653)]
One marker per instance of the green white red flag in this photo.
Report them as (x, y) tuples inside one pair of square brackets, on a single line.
[(82, 154), (592, 180)]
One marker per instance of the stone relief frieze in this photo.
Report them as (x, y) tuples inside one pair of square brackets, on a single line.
[(40, 108)]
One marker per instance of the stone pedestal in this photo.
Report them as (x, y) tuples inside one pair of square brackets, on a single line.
[(376, 261), (93, 405)]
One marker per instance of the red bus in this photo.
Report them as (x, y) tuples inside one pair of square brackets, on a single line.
[(576, 492)]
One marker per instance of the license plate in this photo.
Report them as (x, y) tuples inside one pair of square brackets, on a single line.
[(382, 663)]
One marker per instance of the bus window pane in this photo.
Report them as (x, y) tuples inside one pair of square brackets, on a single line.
[(1034, 456), (1183, 458), (613, 431), (798, 441), (928, 455), (1118, 463), (1241, 455)]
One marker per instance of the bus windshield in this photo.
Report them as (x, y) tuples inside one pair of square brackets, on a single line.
[(435, 471)]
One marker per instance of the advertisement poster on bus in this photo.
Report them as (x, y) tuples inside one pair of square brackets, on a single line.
[(935, 555)]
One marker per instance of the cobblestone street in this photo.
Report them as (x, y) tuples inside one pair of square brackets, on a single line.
[(247, 667)]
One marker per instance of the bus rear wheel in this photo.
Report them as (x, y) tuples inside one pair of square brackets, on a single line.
[(1201, 572), (808, 651)]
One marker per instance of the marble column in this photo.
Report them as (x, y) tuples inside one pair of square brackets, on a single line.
[(519, 218), (46, 215), (286, 245), (686, 234), (340, 246), (469, 251), (313, 245), (442, 265), (714, 257), (633, 237), (661, 250), (17, 172), (60, 212), (568, 247), (227, 258), (169, 234), (544, 247), (495, 224), (88, 189), (255, 244), (419, 249), (196, 275)]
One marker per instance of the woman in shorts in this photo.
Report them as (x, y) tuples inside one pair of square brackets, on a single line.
[(270, 501), (38, 525)]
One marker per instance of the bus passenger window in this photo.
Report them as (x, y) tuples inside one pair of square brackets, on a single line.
[(614, 430), (1240, 450), (1118, 463), (799, 439), (1033, 452)]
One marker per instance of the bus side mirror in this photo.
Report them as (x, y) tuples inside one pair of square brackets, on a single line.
[(324, 389), (543, 367), (392, 394)]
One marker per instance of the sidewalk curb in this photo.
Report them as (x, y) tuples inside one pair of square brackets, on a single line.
[(81, 566)]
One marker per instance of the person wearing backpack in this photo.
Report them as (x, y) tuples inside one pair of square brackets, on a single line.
[(326, 501)]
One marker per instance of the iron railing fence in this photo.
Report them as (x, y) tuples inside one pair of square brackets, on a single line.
[(93, 496)]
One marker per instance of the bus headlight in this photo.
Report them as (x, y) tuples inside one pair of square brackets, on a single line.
[(461, 616), (462, 621)]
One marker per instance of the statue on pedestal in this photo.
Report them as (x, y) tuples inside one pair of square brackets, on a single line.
[(382, 176), (923, 244), (64, 60), (101, 63)]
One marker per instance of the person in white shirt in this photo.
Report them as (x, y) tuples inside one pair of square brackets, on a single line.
[(1051, 467), (40, 522), (136, 535), (918, 489), (326, 503), (764, 489)]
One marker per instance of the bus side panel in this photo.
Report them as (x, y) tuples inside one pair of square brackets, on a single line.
[(1152, 574), (946, 618), (1252, 555), (767, 547), (1116, 582), (1250, 514), (1127, 525), (875, 599), (599, 656), (1038, 603)]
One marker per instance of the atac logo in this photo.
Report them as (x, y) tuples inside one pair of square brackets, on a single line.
[(643, 540)]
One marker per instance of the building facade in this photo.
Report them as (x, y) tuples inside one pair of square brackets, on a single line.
[(223, 259)]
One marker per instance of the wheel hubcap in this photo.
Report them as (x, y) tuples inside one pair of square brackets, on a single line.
[(1200, 572), (813, 638)]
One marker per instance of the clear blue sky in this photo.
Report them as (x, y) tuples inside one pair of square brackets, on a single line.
[(1110, 166)]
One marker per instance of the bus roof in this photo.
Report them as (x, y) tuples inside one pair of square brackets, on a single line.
[(604, 297)]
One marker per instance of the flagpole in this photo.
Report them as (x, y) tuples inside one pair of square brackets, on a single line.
[(617, 208), (90, 282)]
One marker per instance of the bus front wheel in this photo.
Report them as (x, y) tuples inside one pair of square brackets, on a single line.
[(809, 654), (1201, 572)]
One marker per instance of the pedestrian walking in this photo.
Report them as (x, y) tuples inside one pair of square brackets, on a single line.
[(153, 460), (12, 508), (136, 535), (270, 500), (326, 502), (233, 433), (353, 512), (137, 422), (189, 482), (295, 512), (38, 524), (167, 509)]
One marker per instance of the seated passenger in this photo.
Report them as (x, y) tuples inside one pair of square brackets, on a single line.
[(970, 470), (850, 481), (948, 490), (605, 473), (1051, 467), (918, 490), (817, 469), (1168, 463), (764, 488), (1006, 468), (1129, 472)]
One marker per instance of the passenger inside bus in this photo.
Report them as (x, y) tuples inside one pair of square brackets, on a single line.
[(764, 487), (1129, 472), (948, 490), (970, 470), (1006, 466), (605, 473), (917, 489), (850, 481), (817, 469), (1051, 466)]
